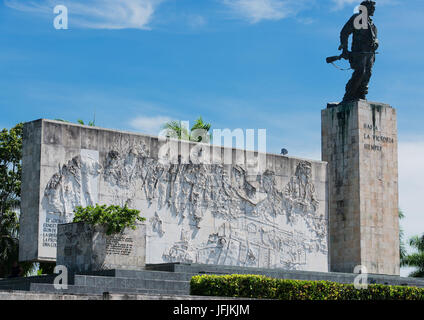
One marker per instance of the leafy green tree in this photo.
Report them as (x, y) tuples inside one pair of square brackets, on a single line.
[(416, 259), (10, 190), (114, 218), (10, 168)]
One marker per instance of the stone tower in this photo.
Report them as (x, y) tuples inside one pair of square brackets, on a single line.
[(359, 141)]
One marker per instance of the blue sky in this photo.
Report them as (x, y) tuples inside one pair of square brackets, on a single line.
[(238, 63)]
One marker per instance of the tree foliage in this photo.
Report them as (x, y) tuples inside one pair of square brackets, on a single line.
[(10, 190), (114, 218), (9, 243), (10, 168), (90, 123), (402, 248), (416, 259), (203, 127), (174, 129), (198, 132)]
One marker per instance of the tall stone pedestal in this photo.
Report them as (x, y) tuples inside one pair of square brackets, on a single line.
[(359, 141)]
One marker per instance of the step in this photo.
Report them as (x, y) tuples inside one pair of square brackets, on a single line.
[(196, 269), (25, 282), (135, 280), (141, 274), (17, 287), (77, 289), (131, 283)]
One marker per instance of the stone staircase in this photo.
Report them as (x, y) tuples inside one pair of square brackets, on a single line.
[(172, 279), (108, 281)]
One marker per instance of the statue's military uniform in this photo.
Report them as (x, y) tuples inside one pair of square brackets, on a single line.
[(362, 57)]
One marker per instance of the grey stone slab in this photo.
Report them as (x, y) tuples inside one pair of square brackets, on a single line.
[(82, 247), (153, 275), (30, 199)]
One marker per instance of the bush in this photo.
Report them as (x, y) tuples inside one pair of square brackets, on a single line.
[(261, 287), (114, 218)]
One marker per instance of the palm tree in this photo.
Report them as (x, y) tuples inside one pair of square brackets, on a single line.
[(8, 241), (416, 259), (9, 245), (200, 124), (402, 248), (90, 123), (175, 129)]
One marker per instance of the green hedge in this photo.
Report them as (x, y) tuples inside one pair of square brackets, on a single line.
[(255, 286)]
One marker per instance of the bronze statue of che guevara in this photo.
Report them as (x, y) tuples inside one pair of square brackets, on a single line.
[(362, 55)]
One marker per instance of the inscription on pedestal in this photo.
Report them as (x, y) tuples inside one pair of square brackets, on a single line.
[(49, 234), (119, 245), (375, 138)]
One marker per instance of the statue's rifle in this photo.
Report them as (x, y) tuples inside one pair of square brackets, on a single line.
[(347, 56)]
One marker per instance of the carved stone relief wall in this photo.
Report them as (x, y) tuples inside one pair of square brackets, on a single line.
[(201, 213)]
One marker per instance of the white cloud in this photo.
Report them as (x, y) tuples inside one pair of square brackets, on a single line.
[(151, 125), (96, 14), (411, 188), (257, 10), (340, 4), (196, 21), (411, 185)]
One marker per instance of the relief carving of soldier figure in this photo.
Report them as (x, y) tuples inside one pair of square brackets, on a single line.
[(300, 190), (362, 54)]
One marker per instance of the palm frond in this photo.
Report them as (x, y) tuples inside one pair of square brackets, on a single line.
[(417, 242), (415, 259), (175, 130)]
